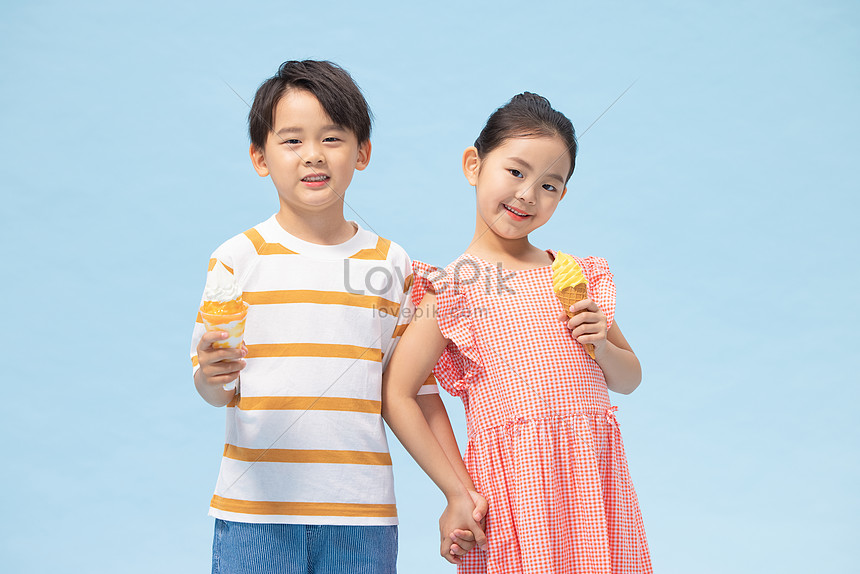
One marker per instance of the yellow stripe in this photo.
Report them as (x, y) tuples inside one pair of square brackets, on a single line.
[(213, 262), (304, 508), (256, 239), (264, 248), (378, 253), (310, 404), (313, 350), (398, 331), (194, 361), (408, 283), (306, 456), (322, 298), (199, 318)]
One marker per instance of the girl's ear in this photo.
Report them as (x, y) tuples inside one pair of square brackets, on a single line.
[(258, 158), (363, 156), (471, 164)]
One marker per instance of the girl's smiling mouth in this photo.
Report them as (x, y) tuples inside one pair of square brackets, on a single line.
[(516, 214)]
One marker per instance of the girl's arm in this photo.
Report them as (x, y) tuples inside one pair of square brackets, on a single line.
[(612, 352), (415, 356), (620, 366)]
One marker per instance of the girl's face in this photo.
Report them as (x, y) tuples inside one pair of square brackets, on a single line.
[(519, 184)]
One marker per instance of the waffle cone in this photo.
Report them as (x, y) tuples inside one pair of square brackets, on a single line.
[(570, 295), (234, 324)]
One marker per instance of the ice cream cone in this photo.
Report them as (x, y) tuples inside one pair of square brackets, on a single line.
[(570, 286), (233, 323), (224, 310), (570, 295)]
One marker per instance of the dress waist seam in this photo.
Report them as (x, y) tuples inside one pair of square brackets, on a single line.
[(607, 413)]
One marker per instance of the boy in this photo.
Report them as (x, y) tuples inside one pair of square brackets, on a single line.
[(305, 483)]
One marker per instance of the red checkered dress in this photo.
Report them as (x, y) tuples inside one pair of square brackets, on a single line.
[(544, 444)]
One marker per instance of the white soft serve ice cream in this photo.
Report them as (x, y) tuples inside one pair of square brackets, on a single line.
[(221, 286)]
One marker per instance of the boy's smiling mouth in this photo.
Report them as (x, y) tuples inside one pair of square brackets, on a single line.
[(515, 213), (315, 180)]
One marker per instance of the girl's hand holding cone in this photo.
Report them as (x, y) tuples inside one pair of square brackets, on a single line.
[(587, 325)]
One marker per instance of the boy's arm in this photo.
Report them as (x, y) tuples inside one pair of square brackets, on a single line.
[(440, 425), (416, 354)]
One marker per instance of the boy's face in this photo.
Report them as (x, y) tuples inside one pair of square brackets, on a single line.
[(310, 159)]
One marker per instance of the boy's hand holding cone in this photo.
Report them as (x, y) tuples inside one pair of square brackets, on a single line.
[(224, 310)]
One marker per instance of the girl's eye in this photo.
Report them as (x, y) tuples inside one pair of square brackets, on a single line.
[(549, 187), (516, 173)]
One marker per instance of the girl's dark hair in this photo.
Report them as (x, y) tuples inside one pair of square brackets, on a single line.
[(332, 86), (527, 115)]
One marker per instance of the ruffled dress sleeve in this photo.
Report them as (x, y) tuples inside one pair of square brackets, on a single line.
[(601, 287), (460, 363)]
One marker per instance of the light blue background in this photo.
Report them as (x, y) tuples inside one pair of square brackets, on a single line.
[(719, 188)]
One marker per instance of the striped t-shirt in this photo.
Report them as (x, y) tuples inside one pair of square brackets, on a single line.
[(305, 439)]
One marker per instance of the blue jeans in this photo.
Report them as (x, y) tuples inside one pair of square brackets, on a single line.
[(241, 547)]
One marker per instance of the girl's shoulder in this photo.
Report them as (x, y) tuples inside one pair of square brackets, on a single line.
[(465, 260), (595, 266), (456, 286), (461, 270)]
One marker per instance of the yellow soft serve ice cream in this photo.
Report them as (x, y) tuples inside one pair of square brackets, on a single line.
[(570, 286)]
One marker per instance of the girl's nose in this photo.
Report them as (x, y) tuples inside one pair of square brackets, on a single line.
[(527, 194)]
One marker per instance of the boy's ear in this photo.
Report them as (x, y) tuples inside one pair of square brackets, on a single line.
[(259, 161), (363, 156), (471, 164)]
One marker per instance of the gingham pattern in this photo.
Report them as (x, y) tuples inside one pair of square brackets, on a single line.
[(544, 444)]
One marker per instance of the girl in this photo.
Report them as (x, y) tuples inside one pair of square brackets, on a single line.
[(544, 445)]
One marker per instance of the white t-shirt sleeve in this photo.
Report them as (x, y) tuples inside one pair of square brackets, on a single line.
[(404, 317)]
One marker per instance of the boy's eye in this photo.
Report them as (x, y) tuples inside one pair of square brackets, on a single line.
[(292, 141), (549, 187), (516, 173), (331, 139)]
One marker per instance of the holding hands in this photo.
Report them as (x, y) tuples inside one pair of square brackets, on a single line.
[(463, 521)]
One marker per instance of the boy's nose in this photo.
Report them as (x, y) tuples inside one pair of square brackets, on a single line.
[(314, 156)]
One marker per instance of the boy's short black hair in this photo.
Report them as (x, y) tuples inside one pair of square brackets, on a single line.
[(332, 86)]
